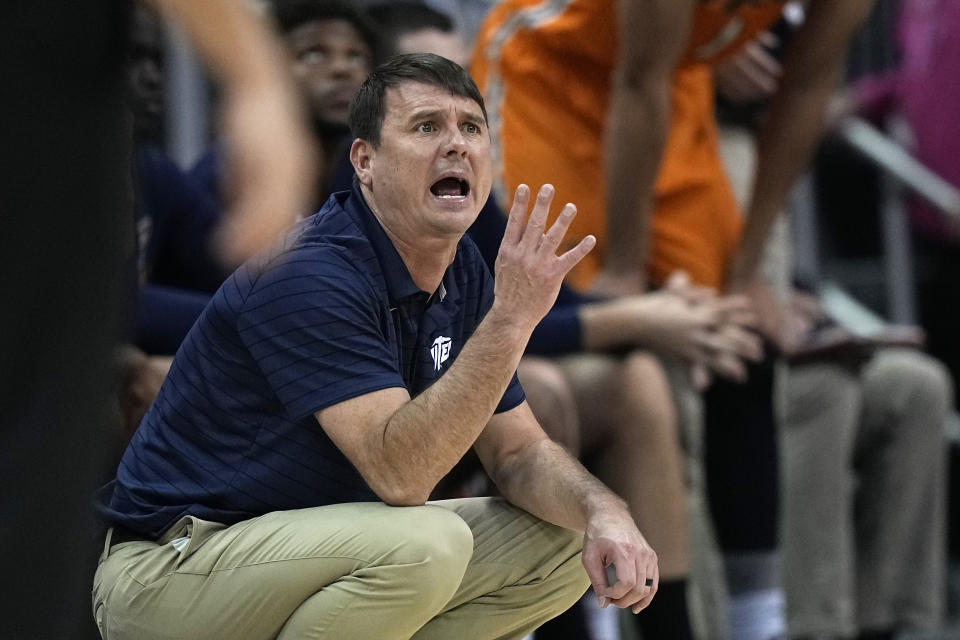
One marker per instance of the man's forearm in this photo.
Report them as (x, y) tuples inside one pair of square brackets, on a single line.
[(426, 437), (544, 479), (638, 122), (796, 120)]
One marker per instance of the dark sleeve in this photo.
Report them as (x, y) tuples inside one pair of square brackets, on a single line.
[(164, 315), (558, 333), (206, 175), (184, 220), (313, 324)]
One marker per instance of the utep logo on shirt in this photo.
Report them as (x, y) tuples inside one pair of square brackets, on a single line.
[(440, 351)]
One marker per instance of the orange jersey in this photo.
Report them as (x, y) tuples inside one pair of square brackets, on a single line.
[(545, 70)]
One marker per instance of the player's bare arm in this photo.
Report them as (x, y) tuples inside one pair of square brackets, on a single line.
[(652, 35)]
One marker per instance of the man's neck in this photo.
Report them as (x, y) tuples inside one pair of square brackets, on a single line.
[(426, 264), (426, 258)]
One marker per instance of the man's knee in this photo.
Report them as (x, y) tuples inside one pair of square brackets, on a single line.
[(436, 545)]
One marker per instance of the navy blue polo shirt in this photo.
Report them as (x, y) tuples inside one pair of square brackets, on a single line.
[(330, 315)]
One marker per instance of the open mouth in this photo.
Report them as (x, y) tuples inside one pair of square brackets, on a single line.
[(450, 188)]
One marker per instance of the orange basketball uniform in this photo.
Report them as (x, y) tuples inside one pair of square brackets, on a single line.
[(545, 68)]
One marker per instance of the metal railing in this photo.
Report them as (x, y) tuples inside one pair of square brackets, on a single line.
[(897, 163), (901, 172)]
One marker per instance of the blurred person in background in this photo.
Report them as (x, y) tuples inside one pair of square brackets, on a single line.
[(331, 50), (331, 47), (863, 443), (921, 89)]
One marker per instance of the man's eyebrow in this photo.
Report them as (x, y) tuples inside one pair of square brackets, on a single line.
[(433, 114), (475, 118), (424, 114)]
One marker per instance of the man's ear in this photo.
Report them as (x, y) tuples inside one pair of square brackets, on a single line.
[(361, 157)]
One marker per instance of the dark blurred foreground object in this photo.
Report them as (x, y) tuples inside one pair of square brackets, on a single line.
[(65, 238), (65, 233)]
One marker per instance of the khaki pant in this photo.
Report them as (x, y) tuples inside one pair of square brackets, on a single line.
[(473, 568), (864, 503)]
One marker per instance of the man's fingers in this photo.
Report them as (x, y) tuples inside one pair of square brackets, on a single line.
[(733, 303), (644, 602), (626, 579), (594, 565), (644, 587), (548, 246), (596, 571), (551, 240), (517, 219), (533, 233), (569, 259)]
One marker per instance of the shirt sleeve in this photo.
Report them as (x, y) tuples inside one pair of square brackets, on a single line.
[(558, 333), (314, 326)]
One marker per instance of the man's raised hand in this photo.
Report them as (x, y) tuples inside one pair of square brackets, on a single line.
[(528, 269)]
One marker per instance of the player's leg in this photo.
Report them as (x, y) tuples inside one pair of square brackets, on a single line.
[(900, 504), (823, 411)]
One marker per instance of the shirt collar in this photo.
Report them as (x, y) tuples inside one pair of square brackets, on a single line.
[(400, 285)]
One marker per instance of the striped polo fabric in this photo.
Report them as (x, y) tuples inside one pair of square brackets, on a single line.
[(329, 315)]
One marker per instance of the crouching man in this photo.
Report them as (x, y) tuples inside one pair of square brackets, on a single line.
[(277, 487)]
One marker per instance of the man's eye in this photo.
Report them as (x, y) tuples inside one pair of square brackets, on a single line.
[(425, 127), (471, 128)]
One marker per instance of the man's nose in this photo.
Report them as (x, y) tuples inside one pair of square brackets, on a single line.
[(456, 143)]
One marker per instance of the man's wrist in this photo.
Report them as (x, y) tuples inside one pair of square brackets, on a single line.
[(510, 327), (603, 504)]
